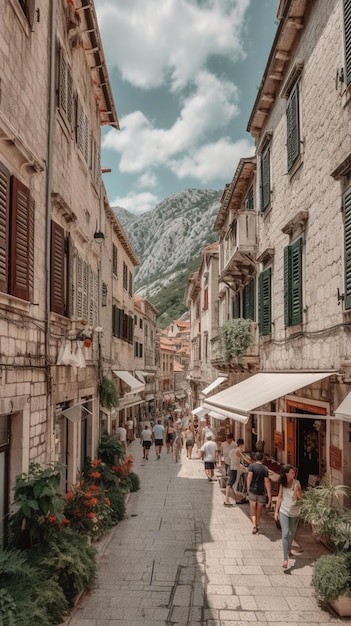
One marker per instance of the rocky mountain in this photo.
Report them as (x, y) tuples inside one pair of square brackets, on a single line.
[(168, 241)]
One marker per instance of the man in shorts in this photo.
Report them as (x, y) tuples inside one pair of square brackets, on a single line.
[(208, 454), (258, 483), (158, 435), (146, 440)]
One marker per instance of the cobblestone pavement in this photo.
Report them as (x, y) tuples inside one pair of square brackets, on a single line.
[(182, 558)]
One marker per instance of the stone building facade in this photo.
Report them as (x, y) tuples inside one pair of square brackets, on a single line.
[(297, 400), (66, 265)]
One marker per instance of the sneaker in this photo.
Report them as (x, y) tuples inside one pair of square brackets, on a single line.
[(254, 530), (228, 504)]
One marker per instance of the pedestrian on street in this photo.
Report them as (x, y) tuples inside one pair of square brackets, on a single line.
[(288, 508), (130, 431), (208, 454), (122, 436), (146, 440), (227, 445), (189, 441), (170, 434), (158, 432), (258, 483), (236, 455)]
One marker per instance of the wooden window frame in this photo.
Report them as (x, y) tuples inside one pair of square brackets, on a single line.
[(293, 138)]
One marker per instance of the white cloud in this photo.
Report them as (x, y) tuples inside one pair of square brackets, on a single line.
[(143, 146), (213, 161), (136, 203), (149, 179), (152, 42)]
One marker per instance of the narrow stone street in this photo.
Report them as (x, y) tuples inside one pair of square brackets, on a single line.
[(181, 557)]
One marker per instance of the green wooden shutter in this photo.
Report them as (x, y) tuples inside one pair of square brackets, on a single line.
[(22, 229), (4, 227), (236, 307), (57, 282), (293, 130), (347, 30), (264, 302), (293, 283), (249, 301), (347, 247), (265, 179), (296, 282)]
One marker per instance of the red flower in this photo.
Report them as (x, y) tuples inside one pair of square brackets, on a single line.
[(66, 521), (95, 474), (91, 515), (95, 462), (107, 501)]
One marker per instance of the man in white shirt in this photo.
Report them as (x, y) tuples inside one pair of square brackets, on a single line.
[(122, 436), (227, 446), (158, 436), (146, 440), (208, 454)]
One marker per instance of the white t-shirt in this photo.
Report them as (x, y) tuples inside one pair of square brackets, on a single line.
[(122, 433), (146, 435), (209, 449)]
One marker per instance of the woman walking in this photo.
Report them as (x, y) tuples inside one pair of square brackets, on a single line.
[(288, 508), (189, 441)]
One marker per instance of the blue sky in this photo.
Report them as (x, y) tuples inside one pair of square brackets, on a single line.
[(184, 75)]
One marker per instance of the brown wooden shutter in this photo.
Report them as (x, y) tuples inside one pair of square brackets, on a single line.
[(31, 217), (4, 226), (57, 286), (20, 235)]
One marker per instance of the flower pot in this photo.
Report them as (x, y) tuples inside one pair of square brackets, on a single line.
[(342, 605)]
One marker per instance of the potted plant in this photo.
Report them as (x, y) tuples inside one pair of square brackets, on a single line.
[(235, 337), (331, 522), (331, 579)]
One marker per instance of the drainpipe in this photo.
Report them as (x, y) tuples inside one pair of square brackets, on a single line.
[(49, 166)]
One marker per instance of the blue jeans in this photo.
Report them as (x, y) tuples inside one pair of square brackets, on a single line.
[(289, 527)]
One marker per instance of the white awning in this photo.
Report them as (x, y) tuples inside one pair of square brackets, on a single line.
[(76, 412), (199, 411), (223, 415), (135, 384), (254, 392), (343, 412), (140, 375), (214, 384)]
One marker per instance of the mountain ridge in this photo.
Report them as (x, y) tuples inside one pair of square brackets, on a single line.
[(168, 241)]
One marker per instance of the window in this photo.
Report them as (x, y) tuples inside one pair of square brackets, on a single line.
[(138, 351), (347, 247), (293, 283), (114, 260), (58, 273), (28, 8), (65, 89), (249, 301), (140, 323), (16, 237), (130, 290), (347, 28), (122, 324), (82, 136), (265, 177), (293, 127), (125, 276), (205, 298), (236, 307), (264, 302), (249, 202)]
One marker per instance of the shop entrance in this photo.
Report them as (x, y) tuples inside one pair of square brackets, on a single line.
[(310, 440)]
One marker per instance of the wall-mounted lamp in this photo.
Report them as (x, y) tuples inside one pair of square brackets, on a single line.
[(99, 236)]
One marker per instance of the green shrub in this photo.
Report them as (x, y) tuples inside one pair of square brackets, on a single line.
[(67, 559), (134, 481), (37, 503), (108, 393), (235, 337), (118, 505), (27, 595), (110, 449), (332, 576)]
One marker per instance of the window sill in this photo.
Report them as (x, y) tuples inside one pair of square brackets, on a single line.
[(298, 163), (15, 304), (265, 338)]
